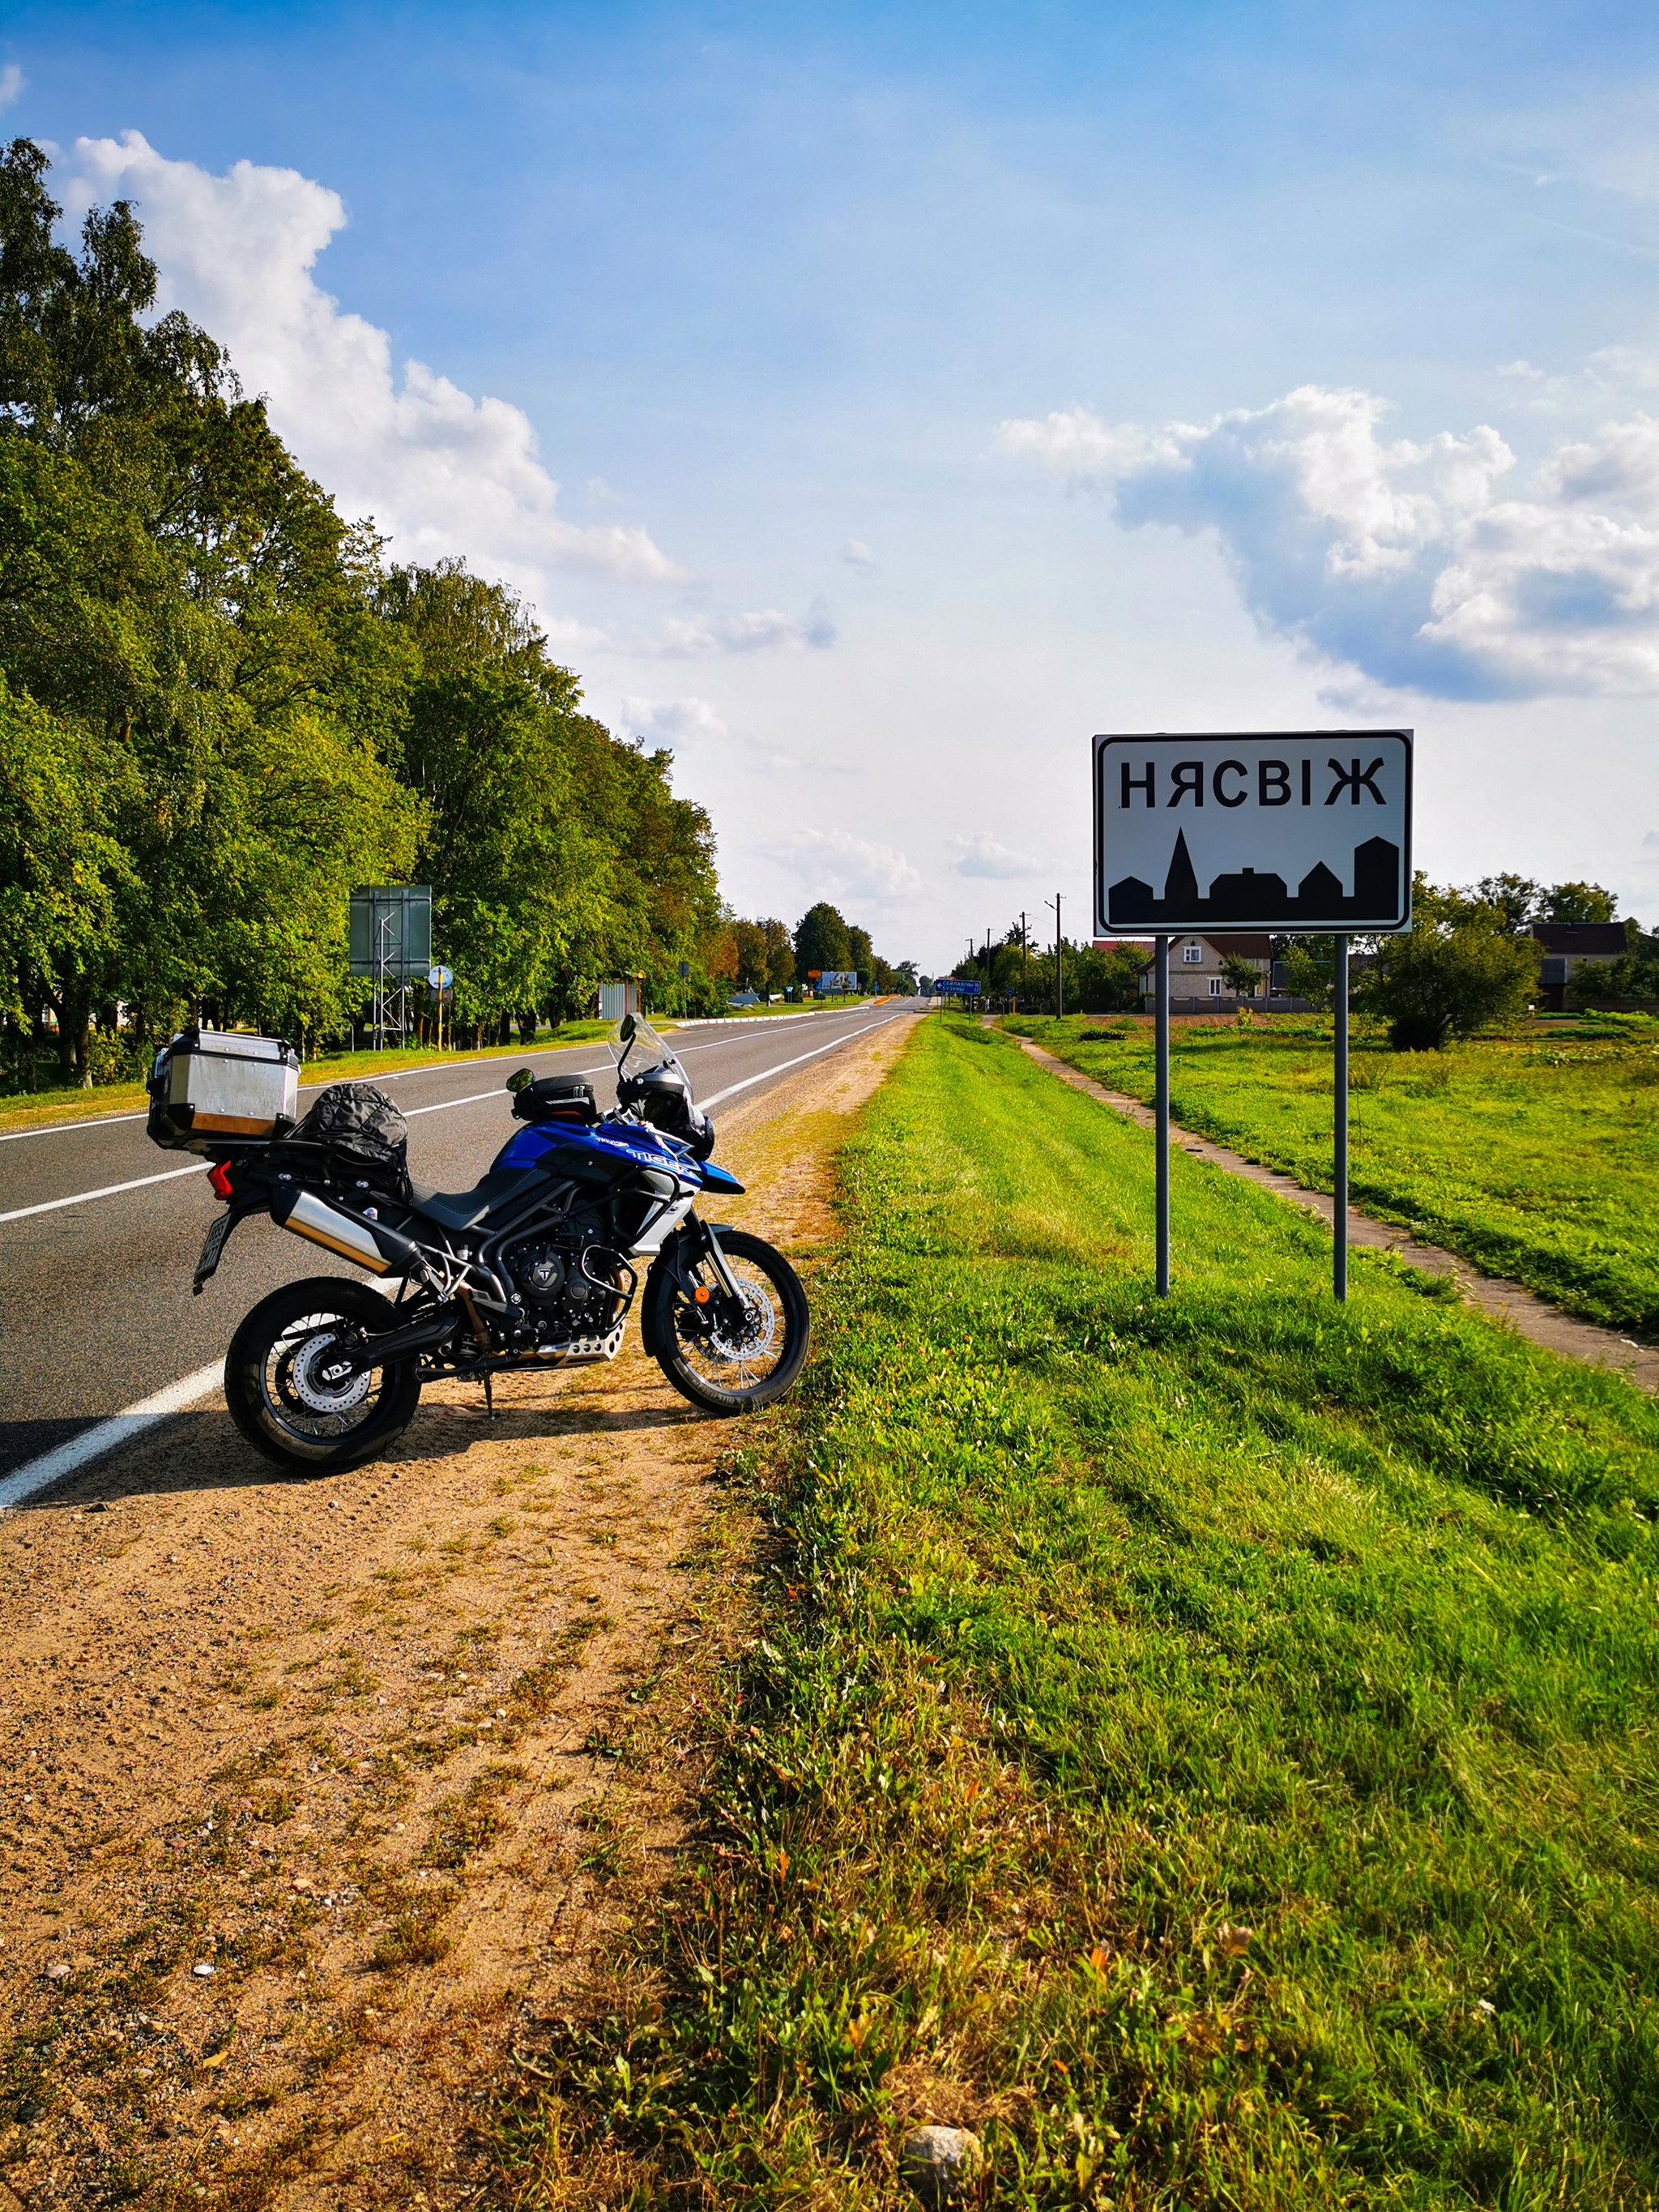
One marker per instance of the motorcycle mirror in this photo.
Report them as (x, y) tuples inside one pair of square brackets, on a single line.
[(520, 1080), (627, 1030)]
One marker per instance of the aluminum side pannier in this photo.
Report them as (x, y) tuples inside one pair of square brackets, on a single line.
[(208, 1087)]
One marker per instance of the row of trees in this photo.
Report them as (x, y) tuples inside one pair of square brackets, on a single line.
[(1469, 959), (221, 707), (767, 958)]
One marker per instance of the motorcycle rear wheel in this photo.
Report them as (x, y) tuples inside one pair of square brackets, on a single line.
[(759, 1364), (282, 1400)]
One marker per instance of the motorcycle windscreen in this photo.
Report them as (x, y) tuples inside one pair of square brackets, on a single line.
[(634, 1044)]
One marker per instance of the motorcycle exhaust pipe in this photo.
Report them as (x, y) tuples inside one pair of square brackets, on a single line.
[(381, 1250)]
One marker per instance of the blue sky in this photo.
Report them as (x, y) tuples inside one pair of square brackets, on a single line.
[(925, 391)]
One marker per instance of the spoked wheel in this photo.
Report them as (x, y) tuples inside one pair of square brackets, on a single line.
[(727, 1362), (283, 1387)]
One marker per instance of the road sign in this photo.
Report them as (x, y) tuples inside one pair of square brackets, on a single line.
[(685, 969), (1306, 832), (439, 979), (390, 931), (949, 987)]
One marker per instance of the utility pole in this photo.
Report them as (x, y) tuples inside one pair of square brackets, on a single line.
[(1059, 959), (1024, 951)]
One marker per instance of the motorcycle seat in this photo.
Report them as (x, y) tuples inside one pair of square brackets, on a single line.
[(457, 1210)]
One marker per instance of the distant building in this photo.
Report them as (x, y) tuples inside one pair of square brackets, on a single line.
[(1569, 946), (1197, 985)]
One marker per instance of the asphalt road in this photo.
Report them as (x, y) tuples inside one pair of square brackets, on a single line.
[(97, 1312)]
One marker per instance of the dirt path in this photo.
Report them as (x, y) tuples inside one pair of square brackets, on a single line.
[(1530, 1317), (305, 1781)]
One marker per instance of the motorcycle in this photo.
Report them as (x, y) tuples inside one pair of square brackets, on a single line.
[(536, 1267)]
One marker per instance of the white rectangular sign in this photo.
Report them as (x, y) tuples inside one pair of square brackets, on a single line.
[(1304, 832)]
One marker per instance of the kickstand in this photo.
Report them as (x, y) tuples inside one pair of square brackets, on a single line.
[(490, 1401)]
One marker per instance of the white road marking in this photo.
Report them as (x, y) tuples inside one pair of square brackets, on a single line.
[(733, 1089), (108, 1190), (62, 1128), (92, 1443)]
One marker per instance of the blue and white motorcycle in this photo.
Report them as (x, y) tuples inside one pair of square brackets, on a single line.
[(537, 1265)]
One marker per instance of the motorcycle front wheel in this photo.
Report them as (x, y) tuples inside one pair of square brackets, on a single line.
[(281, 1394), (734, 1368)]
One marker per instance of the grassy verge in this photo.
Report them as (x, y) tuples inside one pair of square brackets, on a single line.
[(1536, 1157), (1204, 1746)]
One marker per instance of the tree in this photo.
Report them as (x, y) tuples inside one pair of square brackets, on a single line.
[(1517, 900), (1440, 978), (1242, 977), (822, 941), (861, 953), (1310, 969), (748, 957), (1635, 974), (1579, 902), (780, 956)]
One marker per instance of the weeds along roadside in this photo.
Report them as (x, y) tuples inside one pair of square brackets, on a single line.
[(1202, 1747), (1536, 1157)]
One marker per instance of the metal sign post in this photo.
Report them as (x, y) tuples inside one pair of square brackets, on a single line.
[(1339, 1214), (1163, 1117), (1303, 832)]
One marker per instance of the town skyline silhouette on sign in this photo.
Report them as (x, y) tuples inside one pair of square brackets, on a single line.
[(1249, 894)]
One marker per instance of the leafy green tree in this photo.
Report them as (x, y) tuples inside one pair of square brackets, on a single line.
[(822, 941), (748, 957), (174, 587), (1578, 902), (780, 955), (860, 952), (1634, 974), (1242, 977), (1444, 978), (1310, 969), (1517, 900)]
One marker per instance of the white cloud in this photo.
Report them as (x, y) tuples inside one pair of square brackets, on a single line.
[(12, 81), (857, 555), (983, 856), (837, 866), (1396, 559), (673, 717), (686, 723), (440, 472), (696, 636)]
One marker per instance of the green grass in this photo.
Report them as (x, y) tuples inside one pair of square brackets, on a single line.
[(1204, 1745), (1536, 1157)]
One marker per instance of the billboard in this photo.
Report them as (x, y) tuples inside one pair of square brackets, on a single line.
[(836, 979), (1300, 832)]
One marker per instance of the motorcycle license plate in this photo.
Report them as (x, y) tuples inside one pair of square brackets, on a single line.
[(212, 1245)]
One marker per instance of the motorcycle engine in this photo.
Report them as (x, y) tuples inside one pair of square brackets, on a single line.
[(560, 1300)]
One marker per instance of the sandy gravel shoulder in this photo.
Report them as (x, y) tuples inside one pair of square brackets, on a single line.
[(303, 1805)]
